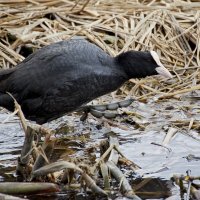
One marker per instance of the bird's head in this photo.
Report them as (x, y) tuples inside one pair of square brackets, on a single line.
[(139, 64)]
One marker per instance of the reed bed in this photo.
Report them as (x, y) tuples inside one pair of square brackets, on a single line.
[(172, 28)]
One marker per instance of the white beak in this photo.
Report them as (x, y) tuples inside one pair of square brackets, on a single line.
[(161, 69)]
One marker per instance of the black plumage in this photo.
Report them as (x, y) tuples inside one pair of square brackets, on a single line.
[(63, 76)]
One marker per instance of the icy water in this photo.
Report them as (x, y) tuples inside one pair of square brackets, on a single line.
[(11, 140), (157, 161), (142, 146)]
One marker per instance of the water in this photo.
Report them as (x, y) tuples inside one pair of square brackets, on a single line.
[(157, 161), (136, 143), (11, 138)]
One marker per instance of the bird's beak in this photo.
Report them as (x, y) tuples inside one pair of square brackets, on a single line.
[(160, 69), (163, 71)]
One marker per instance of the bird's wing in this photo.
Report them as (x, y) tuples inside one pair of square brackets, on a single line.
[(67, 95)]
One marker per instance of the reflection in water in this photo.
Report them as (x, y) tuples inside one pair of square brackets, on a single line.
[(11, 138), (155, 188), (157, 161)]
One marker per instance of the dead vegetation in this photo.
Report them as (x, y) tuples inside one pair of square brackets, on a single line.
[(169, 27), (38, 162)]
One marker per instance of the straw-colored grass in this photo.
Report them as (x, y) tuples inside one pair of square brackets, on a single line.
[(172, 28)]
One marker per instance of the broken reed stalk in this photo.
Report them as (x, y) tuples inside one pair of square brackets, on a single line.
[(29, 144), (5, 196), (191, 188), (193, 88), (45, 153), (20, 188), (119, 176), (109, 164), (19, 113), (112, 162), (62, 165)]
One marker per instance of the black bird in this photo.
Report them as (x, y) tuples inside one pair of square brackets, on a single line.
[(61, 77)]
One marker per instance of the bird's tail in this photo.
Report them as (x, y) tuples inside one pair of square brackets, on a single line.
[(5, 100), (5, 73)]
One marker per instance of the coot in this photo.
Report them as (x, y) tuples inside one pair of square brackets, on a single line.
[(61, 77)]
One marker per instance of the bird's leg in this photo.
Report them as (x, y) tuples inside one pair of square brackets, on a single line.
[(99, 110)]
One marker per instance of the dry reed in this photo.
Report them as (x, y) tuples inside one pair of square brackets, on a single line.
[(172, 28)]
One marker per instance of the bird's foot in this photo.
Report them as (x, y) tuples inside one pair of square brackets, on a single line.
[(99, 110)]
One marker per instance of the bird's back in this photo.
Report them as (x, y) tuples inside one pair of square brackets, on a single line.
[(49, 63)]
